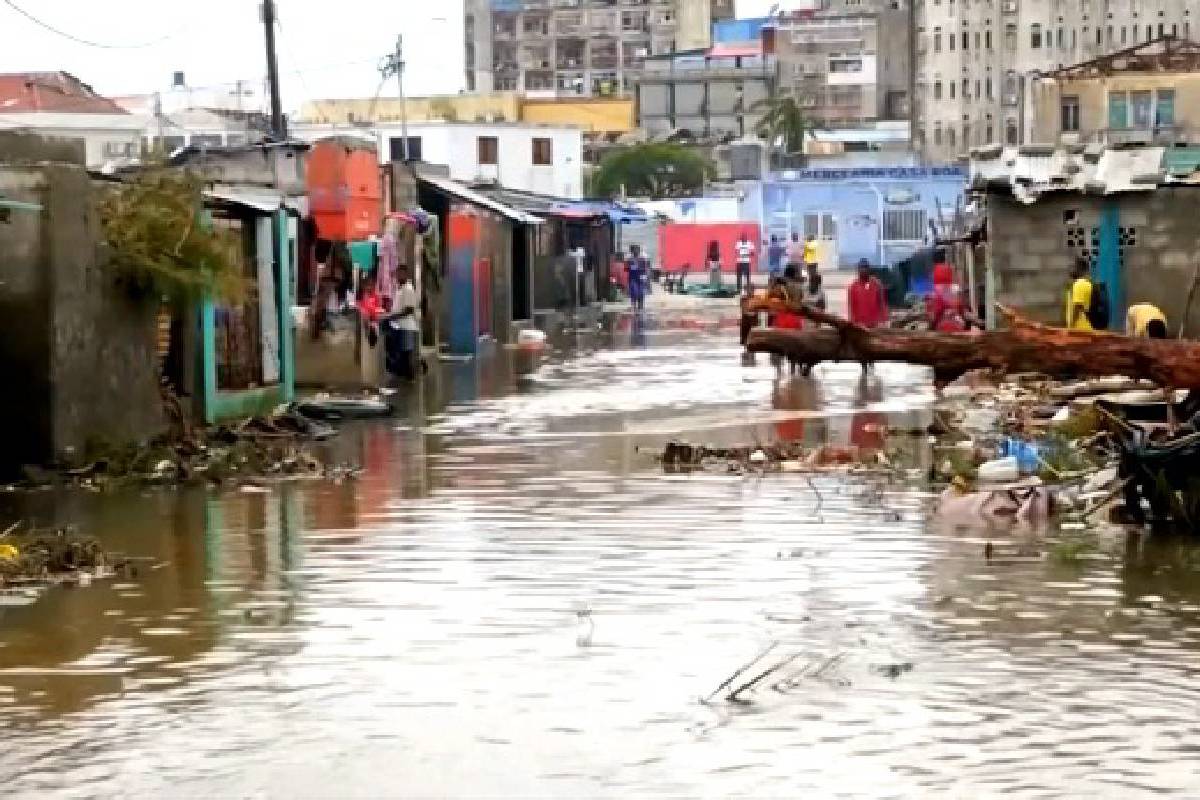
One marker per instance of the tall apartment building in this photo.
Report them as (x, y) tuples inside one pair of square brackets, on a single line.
[(847, 61), (977, 59), (578, 48)]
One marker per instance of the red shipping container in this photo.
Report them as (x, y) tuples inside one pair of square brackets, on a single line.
[(345, 189)]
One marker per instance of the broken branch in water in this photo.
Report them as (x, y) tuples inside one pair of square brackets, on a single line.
[(729, 681), (1025, 346), (759, 678)]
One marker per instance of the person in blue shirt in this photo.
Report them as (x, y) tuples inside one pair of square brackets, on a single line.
[(776, 251), (638, 270)]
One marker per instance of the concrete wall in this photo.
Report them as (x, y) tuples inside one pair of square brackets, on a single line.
[(281, 167), (19, 147), (79, 355), (106, 137), (1034, 246)]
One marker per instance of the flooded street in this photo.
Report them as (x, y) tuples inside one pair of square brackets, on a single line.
[(515, 600)]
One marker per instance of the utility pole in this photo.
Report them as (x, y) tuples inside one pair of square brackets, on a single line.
[(158, 119), (393, 64), (268, 19)]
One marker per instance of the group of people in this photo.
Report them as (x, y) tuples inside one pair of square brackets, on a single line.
[(1087, 308)]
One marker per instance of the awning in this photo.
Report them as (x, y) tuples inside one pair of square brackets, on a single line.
[(455, 189), (257, 198)]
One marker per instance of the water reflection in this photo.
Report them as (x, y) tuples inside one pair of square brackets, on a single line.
[(514, 599)]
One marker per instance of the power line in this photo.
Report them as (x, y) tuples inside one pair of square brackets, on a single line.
[(78, 40)]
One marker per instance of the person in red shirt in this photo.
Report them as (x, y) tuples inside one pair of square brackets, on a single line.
[(944, 305), (867, 301), (787, 319), (866, 298)]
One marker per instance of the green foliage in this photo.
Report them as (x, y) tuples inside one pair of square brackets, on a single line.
[(159, 245), (784, 119), (655, 170)]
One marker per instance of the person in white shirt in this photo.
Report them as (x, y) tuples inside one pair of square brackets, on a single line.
[(402, 327), (744, 250)]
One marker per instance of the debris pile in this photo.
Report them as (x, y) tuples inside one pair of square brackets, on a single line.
[(680, 456), (1031, 447), (274, 447), (31, 556)]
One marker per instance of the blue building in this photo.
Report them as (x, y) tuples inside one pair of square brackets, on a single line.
[(878, 213), (738, 31)]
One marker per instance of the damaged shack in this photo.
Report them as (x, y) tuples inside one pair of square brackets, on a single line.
[(486, 261), (1129, 212)]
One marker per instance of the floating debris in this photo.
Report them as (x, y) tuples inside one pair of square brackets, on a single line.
[(32, 559)]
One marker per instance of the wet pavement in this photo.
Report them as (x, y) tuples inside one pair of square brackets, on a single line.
[(515, 600)]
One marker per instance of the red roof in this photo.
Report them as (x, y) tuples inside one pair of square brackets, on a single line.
[(58, 92)]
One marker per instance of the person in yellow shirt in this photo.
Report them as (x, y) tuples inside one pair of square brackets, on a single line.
[(811, 254), (1146, 321), (1079, 298)]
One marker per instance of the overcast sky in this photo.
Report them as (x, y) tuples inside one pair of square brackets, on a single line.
[(326, 49)]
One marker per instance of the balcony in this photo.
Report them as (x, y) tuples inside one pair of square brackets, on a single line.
[(1163, 135)]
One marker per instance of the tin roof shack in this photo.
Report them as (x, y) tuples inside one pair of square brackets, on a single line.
[(1129, 212), (246, 355), (486, 263), (78, 351), (569, 225)]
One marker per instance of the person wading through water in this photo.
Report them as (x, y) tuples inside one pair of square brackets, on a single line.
[(401, 328), (867, 301)]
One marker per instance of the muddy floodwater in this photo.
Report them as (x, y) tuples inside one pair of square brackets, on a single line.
[(515, 600)]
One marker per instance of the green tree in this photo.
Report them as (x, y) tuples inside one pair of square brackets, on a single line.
[(656, 170), (159, 245), (785, 122)]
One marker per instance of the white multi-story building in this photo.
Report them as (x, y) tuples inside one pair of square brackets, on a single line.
[(532, 158), (976, 59)]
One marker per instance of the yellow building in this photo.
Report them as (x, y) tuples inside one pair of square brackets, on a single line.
[(495, 107), (597, 116), (601, 117), (1148, 94)]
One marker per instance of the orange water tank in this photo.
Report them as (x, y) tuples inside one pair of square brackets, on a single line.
[(345, 189)]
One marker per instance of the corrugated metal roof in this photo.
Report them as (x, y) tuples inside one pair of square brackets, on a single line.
[(59, 92), (1031, 171), (471, 196), (257, 198)]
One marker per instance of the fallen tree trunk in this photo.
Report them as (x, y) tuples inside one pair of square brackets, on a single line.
[(1025, 346)]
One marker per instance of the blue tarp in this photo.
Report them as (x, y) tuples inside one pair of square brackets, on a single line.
[(616, 212)]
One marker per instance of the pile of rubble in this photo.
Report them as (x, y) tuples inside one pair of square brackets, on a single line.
[(1028, 447)]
